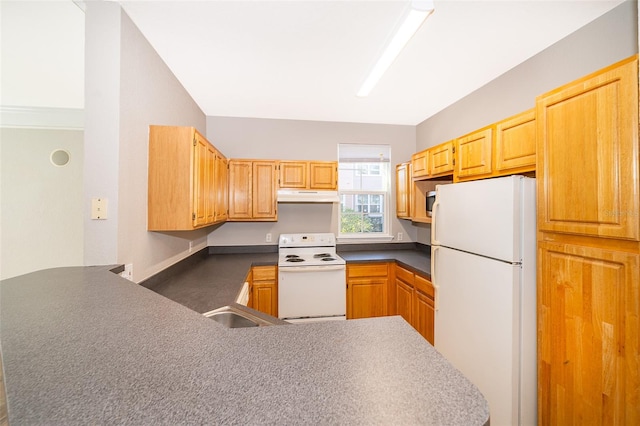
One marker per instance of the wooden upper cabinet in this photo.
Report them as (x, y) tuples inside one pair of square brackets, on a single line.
[(588, 155), (204, 162), (403, 190), (240, 189), (222, 191), (473, 154), (441, 160), (321, 175), (252, 190), (294, 174), (264, 190), (516, 143), (420, 164), (184, 184)]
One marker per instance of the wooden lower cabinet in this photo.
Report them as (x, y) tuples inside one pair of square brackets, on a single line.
[(404, 293), (415, 301), (367, 286), (588, 322), (380, 289), (264, 289), (424, 313)]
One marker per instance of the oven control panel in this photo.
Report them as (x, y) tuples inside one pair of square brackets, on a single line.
[(307, 240)]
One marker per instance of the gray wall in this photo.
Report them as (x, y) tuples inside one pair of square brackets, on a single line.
[(40, 202), (608, 39), (128, 87), (302, 140)]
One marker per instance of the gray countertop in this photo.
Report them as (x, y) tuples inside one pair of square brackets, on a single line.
[(85, 346), (215, 280)]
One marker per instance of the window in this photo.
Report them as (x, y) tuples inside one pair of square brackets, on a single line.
[(363, 184)]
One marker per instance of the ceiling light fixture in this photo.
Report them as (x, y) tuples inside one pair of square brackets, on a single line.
[(417, 14)]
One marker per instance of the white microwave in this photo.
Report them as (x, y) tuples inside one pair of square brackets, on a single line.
[(431, 198)]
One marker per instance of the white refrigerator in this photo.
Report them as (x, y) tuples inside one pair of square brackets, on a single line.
[(483, 247)]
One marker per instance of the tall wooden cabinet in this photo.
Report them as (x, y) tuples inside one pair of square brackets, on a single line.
[(187, 180), (252, 190), (589, 250)]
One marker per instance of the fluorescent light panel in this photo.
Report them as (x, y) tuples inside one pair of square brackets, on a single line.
[(416, 16)]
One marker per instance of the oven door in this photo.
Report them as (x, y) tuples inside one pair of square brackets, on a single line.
[(312, 292)]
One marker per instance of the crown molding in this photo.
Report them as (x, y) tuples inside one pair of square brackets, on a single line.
[(41, 118)]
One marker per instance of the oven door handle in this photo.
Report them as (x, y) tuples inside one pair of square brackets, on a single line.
[(312, 268)]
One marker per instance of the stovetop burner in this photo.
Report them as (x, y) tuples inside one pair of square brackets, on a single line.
[(308, 250)]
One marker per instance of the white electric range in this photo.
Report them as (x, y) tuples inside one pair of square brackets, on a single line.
[(311, 278)]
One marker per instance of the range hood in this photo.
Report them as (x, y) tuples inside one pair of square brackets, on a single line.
[(307, 196)]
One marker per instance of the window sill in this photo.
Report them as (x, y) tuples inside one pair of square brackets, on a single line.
[(360, 238)]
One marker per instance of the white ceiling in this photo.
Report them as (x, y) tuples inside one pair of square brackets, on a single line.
[(306, 59)]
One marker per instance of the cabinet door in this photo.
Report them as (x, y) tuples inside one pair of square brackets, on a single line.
[(403, 192), (424, 316), (323, 175), (588, 346), (293, 174), (404, 300), (420, 164), (240, 204), (441, 159), (264, 292), (473, 154), (201, 176), (588, 155), (264, 298), (221, 188), (211, 186), (367, 297), (424, 305), (516, 143), (264, 190)]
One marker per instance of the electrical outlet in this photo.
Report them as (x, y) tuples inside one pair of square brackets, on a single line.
[(190, 246), (267, 238), (400, 236), (128, 272)]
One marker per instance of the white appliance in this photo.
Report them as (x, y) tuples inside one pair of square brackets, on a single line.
[(311, 278), (483, 242)]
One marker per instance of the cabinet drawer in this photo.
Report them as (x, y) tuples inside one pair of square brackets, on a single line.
[(424, 285), (368, 270), (264, 273), (404, 275)]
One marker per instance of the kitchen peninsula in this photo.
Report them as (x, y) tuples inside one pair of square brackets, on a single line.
[(85, 346)]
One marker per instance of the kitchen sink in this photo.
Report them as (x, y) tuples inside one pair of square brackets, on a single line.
[(232, 317)]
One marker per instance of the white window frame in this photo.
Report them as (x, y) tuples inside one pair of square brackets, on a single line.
[(385, 235)]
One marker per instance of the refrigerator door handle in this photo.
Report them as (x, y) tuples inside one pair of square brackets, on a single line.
[(434, 281), (434, 214)]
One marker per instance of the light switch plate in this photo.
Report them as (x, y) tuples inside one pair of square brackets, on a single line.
[(98, 208)]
